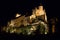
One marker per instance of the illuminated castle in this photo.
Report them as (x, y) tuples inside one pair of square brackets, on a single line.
[(33, 20), (35, 13), (39, 12)]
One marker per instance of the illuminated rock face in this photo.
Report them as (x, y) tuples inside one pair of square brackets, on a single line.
[(17, 22)]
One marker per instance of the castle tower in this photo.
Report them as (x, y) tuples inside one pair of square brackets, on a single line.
[(41, 12)]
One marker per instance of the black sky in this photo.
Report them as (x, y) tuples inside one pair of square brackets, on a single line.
[(10, 8)]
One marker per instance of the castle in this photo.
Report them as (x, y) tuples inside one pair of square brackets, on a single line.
[(24, 20), (37, 19)]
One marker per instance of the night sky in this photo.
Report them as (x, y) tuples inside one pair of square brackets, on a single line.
[(10, 8)]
